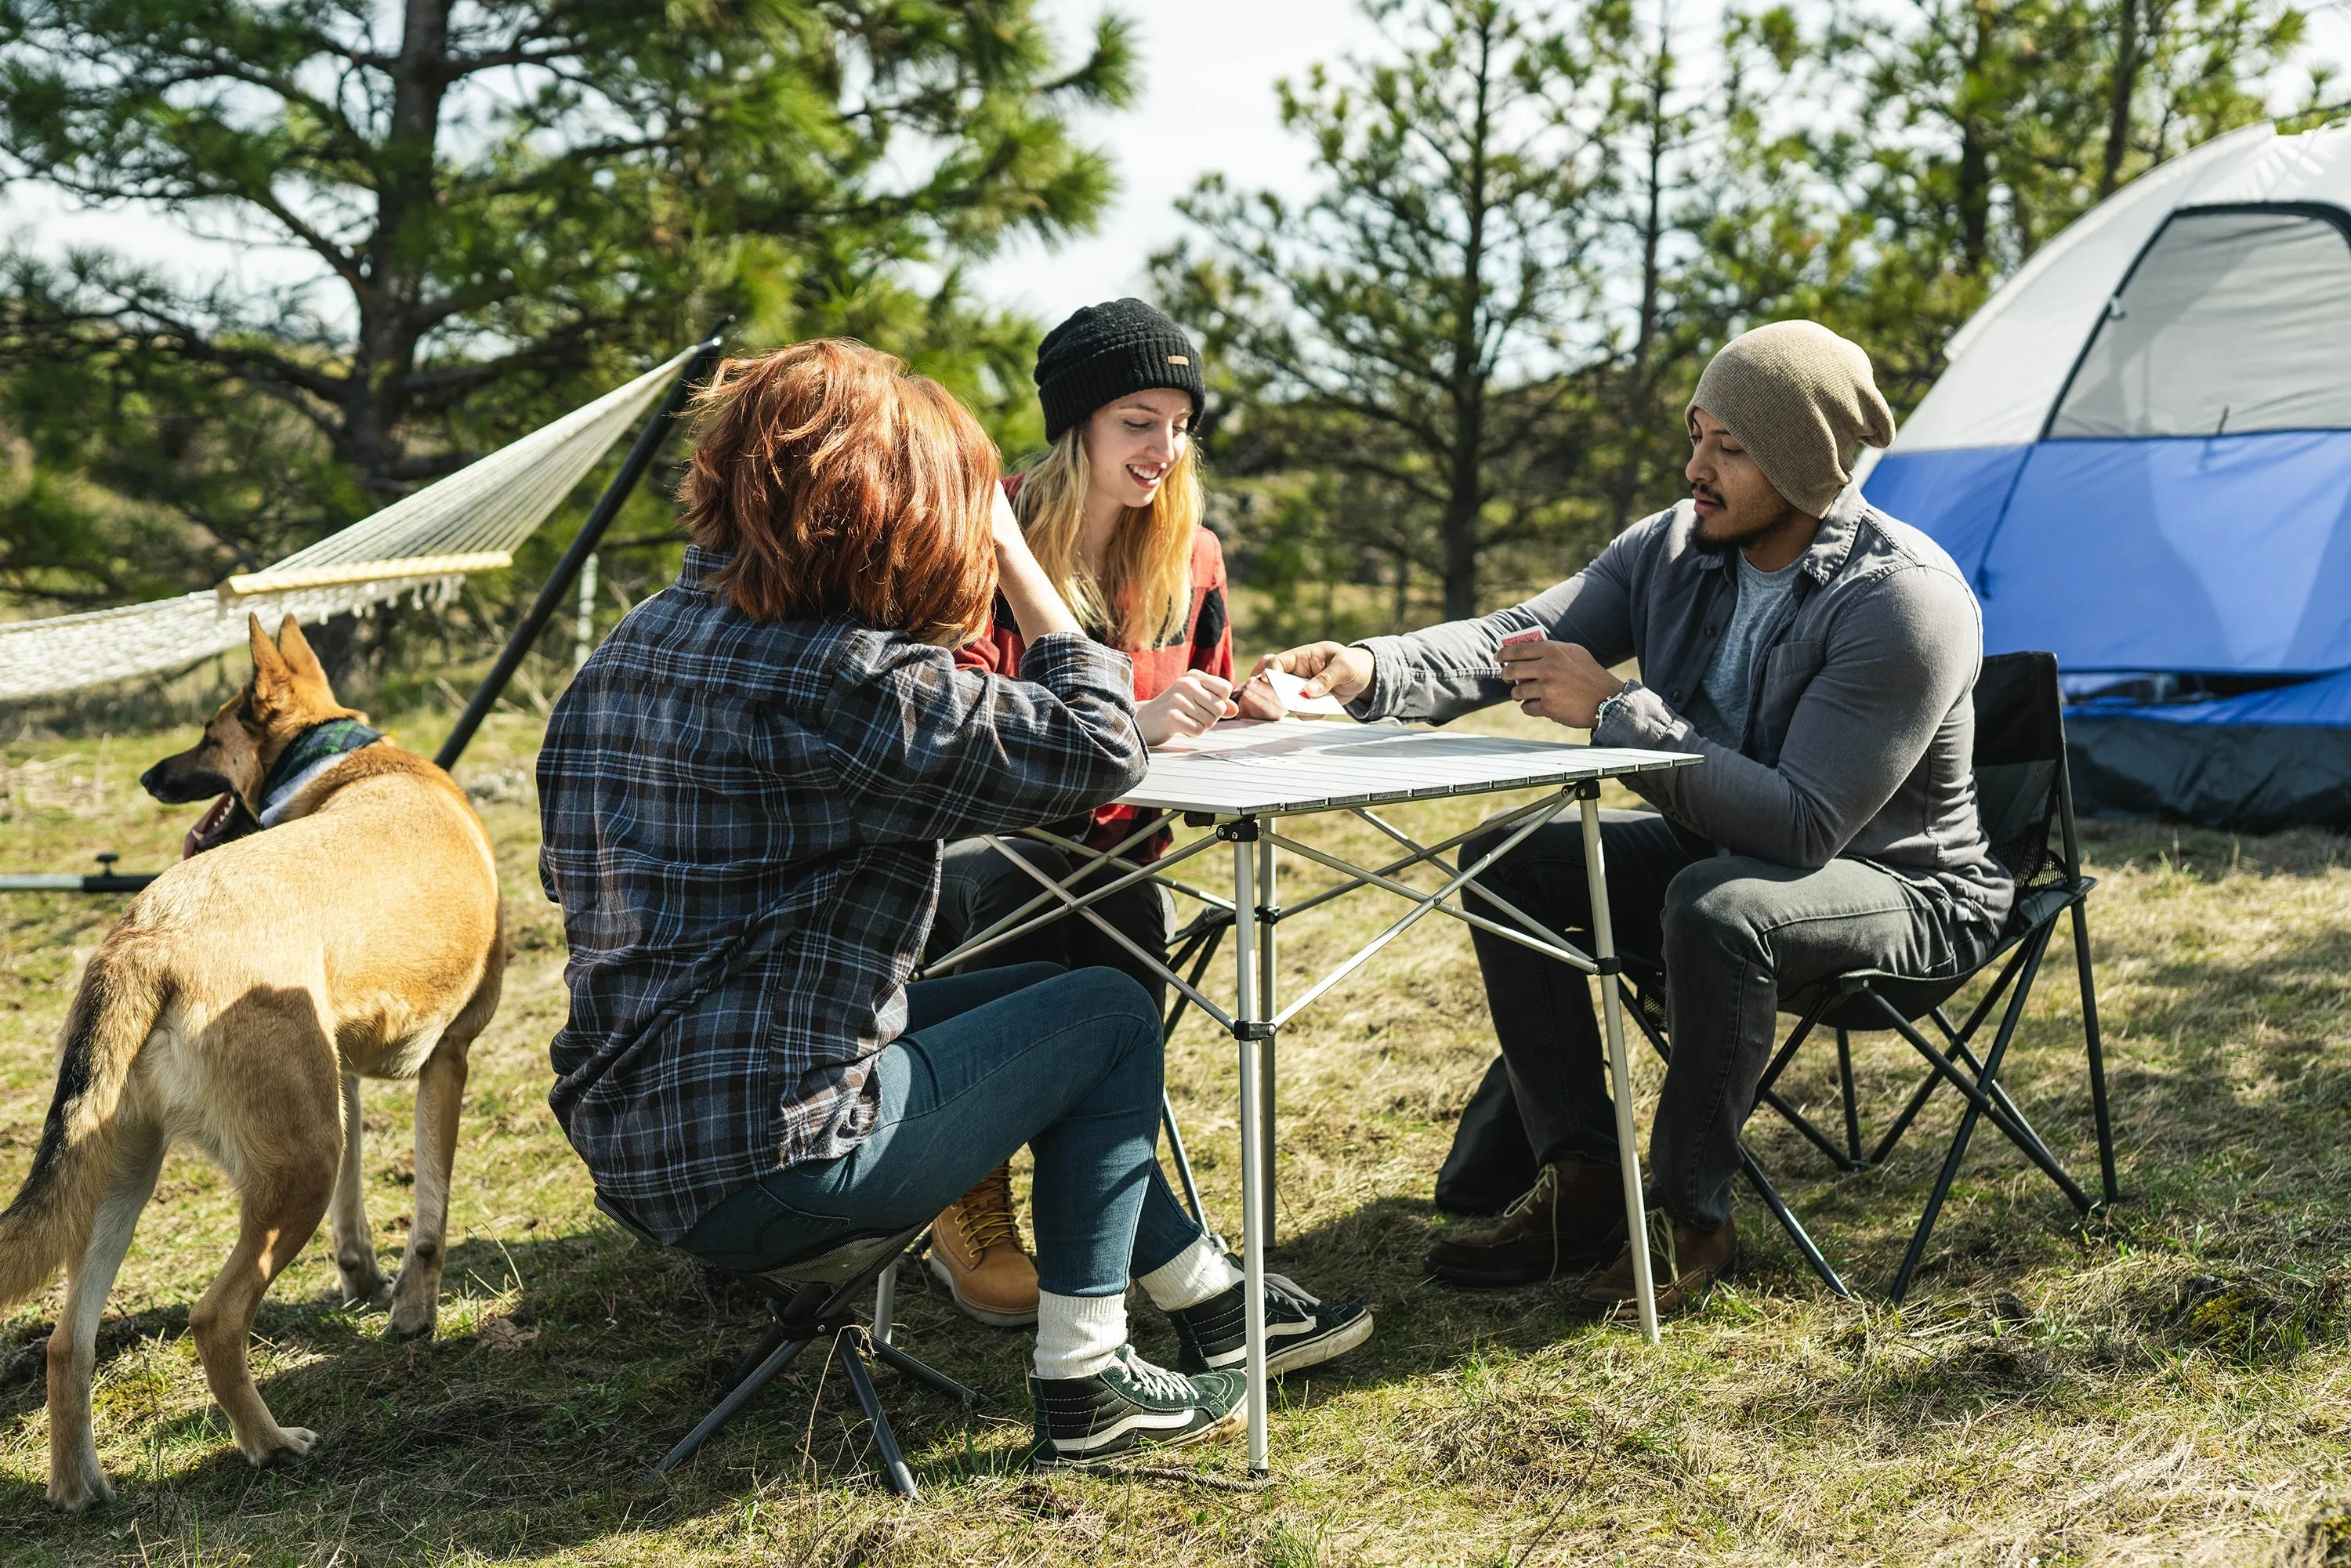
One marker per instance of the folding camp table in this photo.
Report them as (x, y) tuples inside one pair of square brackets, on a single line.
[(1239, 781)]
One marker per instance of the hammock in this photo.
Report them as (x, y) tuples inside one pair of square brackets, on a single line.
[(422, 545)]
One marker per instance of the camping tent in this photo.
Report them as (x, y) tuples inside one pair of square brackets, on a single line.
[(2141, 456)]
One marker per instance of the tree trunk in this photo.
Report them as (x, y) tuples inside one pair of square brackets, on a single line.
[(1634, 419), (388, 324), (1465, 486), (1974, 152), (2126, 85)]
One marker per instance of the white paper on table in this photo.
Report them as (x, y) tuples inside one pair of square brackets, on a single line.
[(1289, 688)]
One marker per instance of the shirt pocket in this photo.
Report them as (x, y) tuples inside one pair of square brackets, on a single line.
[(1788, 670)]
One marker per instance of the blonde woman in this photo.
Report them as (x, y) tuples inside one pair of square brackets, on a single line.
[(1112, 515)]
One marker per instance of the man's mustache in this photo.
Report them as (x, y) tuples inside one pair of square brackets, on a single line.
[(1707, 493)]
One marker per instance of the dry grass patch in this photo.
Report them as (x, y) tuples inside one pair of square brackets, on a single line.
[(2165, 1383)]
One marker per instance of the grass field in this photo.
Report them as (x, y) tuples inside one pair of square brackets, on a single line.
[(2166, 1384)]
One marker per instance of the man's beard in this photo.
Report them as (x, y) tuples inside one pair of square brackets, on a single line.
[(1723, 544)]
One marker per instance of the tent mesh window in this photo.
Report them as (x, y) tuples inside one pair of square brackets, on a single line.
[(2232, 322)]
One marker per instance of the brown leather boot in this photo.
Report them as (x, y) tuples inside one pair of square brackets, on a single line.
[(1684, 1263), (1571, 1220), (976, 1253)]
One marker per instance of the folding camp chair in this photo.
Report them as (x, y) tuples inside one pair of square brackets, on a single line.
[(813, 1297), (2021, 791)]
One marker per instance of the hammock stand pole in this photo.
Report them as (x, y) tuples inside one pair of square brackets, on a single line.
[(558, 583)]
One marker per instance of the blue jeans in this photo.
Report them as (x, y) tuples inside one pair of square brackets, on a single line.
[(1068, 1064)]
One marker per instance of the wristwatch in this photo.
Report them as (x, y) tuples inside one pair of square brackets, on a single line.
[(1599, 713)]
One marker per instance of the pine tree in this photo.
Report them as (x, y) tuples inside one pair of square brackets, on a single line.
[(507, 206)]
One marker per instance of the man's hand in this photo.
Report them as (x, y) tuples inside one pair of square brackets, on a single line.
[(1328, 668), (1196, 701), (1558, 681)]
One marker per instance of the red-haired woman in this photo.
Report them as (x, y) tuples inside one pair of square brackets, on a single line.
[(745, 794), (1113, 512)]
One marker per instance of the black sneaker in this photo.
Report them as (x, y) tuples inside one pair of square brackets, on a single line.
[(1300, 1331), (1130, 1405)]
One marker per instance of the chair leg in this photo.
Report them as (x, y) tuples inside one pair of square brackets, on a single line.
[(885, 1303), (2097, 1050), (850, 1343), (742, 1393), (1976, 1102), (929, 1376), (1901, 1123), (759, 1353), (1803, 1124), (1791, 1224), (1851, 1105), (1183, 1163), (1985, 1097)]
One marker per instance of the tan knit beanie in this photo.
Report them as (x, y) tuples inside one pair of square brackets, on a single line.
[(1802, 401)]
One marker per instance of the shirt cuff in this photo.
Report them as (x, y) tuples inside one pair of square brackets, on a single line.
[(1638, 716)]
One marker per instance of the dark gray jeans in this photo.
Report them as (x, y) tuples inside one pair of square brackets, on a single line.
[(1735, 935)]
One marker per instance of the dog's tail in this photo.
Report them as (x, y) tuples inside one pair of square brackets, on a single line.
[(112, 1014)]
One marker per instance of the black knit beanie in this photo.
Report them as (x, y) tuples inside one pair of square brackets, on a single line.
[(1104, 351)]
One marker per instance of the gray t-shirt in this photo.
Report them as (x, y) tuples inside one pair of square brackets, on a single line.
[(1719, 710)]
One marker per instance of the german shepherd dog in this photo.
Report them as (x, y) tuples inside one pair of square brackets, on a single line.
[(237, 1004)]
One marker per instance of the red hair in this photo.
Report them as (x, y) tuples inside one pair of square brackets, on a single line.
[(841, 484)]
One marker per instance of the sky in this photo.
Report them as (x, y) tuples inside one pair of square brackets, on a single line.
[(1208, 70), (1207, 104)]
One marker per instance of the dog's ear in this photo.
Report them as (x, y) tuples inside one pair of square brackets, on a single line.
[(273, 682), (301, 662)]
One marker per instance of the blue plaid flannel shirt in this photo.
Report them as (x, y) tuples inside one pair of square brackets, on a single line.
[(742, 821)]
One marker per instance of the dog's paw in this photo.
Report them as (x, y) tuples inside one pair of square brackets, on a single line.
[(369, 1289), (412, 1322), (287, 1446), (80, 1489)]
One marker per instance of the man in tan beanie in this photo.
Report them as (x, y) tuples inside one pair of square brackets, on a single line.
[(1819, 655)]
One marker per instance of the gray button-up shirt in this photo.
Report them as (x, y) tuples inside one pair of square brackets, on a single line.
[(1860, 722)]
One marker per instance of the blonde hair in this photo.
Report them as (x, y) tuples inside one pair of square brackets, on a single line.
[(1146, 596)]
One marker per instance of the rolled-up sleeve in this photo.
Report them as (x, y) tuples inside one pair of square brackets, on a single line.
[(1438, 675)]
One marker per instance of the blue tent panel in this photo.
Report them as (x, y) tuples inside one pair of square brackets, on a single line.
[(2224, 555), (1954, 497)]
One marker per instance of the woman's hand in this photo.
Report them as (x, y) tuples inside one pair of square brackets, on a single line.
[(1257, 699), (1333, 668), (1196, 701)]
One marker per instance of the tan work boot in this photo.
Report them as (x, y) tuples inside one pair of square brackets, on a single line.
[(976, 1253)]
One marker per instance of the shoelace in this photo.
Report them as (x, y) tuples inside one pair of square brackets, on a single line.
[(985, 1215), (1155, 1382), (1546, 1186), (1281, 1284), (1283, 1289), (1661, 1243)]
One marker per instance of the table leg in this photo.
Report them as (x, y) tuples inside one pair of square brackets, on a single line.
[(1620, 1076), (1269, 1003), (1249, 1033)]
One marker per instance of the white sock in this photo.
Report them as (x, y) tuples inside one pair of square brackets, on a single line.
[(1192, 1276), (1077, 1336)]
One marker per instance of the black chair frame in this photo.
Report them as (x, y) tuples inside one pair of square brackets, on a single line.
[(2020, 727), (814, 1297)]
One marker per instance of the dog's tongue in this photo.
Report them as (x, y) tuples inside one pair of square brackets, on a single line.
[(201, 837)]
